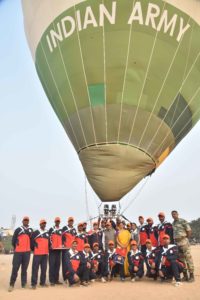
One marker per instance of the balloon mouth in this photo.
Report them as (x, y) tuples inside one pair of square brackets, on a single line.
[(114, 169)]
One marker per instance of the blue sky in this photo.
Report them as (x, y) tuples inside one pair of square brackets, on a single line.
[(40, 173)]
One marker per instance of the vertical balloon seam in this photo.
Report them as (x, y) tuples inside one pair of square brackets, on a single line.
[(59, 93), (79, 43), (73, 96), (125, 73), (162, 87), (176, 97), (145, 78)]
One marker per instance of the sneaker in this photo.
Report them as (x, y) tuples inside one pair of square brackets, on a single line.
[(33, 287), (24, 286), (178, 283), (133, 279), (137, 278), (92, 280), (122, 279), (44, 285), (10, 289), (103, 280), (191, 278), (59, 283), (84, 283)]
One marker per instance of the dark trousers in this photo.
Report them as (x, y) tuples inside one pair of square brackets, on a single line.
[(118, 269), (173, 270), (82, 272), (64, 270), (39, 261), (102, 272), (139, 273), (54, 265), (20, 259)]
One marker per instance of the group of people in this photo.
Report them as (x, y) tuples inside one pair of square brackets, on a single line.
[(110, 249)]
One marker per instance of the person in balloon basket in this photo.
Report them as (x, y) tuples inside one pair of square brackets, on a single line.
[(164, 227), (152, 232), (182, 232), (75, 266), (168, 263), (40, 246), (114, 262), (21, 257), (136, 262), (95, 236), (151, 260), (81, 237), (68, 236), (98, 263), (143, 234), (55, 234)]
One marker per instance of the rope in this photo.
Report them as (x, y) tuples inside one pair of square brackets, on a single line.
[(136, 196)]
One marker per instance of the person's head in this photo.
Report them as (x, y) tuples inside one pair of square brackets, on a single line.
[(148, 244), (108, 225), (111, 245), (95, 225), (133, 226), (174, 214), (95, 247), (25, 221), (80, 227), (128, 226), (84, 226), (161, 217), (121, 225), (74, 245), (87, 248), (166, 240), (134, 245), (43, 224), (141, 220), (70, 221), (57, 221), (103, 223), (150, 221)]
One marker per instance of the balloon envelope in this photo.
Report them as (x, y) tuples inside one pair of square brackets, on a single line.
[(123, 78)]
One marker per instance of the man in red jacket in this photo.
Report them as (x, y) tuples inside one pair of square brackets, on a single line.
[(40, 247), (55, 234), (21, 245)]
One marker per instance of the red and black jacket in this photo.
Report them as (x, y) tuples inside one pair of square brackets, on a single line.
[(95, 237), (40, 242), (55, 235), (72, 261), (165, 228), (21, 239), (68, 236), (167, 255), (81, 239), (153, 234), (135, 259), (143, 233), (151, 256)]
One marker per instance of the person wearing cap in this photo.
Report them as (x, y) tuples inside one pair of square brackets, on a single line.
[(55, 234), (143, 234), (114, 262), (21, 245), (81, 237), (85, 227), (151, 259), (168, 263), (40, 247), (136, 262), (182, 233), (109, 234), (98, 262), (68, 236), (72, 264), (152, 232), (88, 272), (164, 227), (95, 236), (134, 232)]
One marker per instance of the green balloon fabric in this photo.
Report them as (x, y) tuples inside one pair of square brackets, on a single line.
[(123, 78)]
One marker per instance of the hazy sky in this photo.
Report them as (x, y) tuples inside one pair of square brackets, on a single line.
[(40, 173)]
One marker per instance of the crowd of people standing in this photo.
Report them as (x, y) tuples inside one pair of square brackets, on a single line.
[(110, 249)]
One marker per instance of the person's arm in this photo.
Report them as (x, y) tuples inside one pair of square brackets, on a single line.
[(187, 229), (15, 237), (172, 254)]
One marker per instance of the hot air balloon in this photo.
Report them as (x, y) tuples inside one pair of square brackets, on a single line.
[(123, 77)]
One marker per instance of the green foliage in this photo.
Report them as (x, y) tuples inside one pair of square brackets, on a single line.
[(195, 225)]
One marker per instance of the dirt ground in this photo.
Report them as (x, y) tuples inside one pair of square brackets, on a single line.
[(145, 289)]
